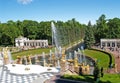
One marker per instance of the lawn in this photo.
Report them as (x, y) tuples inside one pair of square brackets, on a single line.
[(107, 78), (30, 52), (111, 78), (102, 58)]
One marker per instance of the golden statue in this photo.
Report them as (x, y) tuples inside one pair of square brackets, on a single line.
[(18, 61), (5, 52), (29, 59), (76, 67), (63, 61), (63, 55), (76, 62), (5, 55), (53, 60)]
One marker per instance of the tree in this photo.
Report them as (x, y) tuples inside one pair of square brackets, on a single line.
[(113, 28), (89, 39), (19, 25), (68, 32), (101, 28), (96, 73)]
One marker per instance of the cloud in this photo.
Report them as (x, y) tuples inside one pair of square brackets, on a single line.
[(24, 1)]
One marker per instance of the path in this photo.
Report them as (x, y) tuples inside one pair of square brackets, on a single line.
[(7, 77), (117, 59), (56, 79)]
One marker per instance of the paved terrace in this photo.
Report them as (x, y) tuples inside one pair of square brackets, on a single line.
[(7, 77), (116, 55)]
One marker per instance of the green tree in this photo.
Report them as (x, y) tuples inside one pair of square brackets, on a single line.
[(113, 28), (30, 29), (9, 32), (101, 28), (89, 39), (19, 25), (96, 73), (44, 31), (68, 32)]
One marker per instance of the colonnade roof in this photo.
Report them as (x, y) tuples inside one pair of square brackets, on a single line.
[(36, 41), (110, 40)]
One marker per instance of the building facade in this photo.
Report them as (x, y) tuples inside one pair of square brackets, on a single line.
[(115, 43), (25, 42)]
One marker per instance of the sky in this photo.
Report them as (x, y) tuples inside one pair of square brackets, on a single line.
[(58, 10)]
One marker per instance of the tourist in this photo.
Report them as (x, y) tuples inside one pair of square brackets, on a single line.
[(102, 72)]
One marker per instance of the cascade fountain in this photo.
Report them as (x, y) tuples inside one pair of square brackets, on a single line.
[(54, 36), (26, 62), (43, 54), (59, 61), (80, 56), (26, 68), (1, 59), (36, 59), (9, 55), (75, 59), (58, 49), (84, 58), (50, 56), (70, 55)]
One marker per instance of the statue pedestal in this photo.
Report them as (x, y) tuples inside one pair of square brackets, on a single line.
[(37, 62), (76, 69), (85, 69), (63, 65), (6, 61)]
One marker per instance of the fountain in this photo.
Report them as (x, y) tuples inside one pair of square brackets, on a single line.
[(24, 60), (24, 65), (56, 59), (1, 59), (9, 55), (50, 55), (58, 49), (83, 63), (84, 58), (80, 56), (36, 59), (60, 57), (70, 55), (54, 36), (75, 59), (44, 63)]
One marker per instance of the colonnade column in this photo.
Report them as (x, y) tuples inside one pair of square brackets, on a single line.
[(101, 44), (110, 44), (105, 44), (115, 44)]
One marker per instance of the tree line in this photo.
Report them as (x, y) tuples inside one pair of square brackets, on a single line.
[(104, 28), (68, 32)]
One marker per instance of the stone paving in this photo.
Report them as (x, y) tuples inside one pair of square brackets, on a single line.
[(116, 55), (56, 78), (7, 77)]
